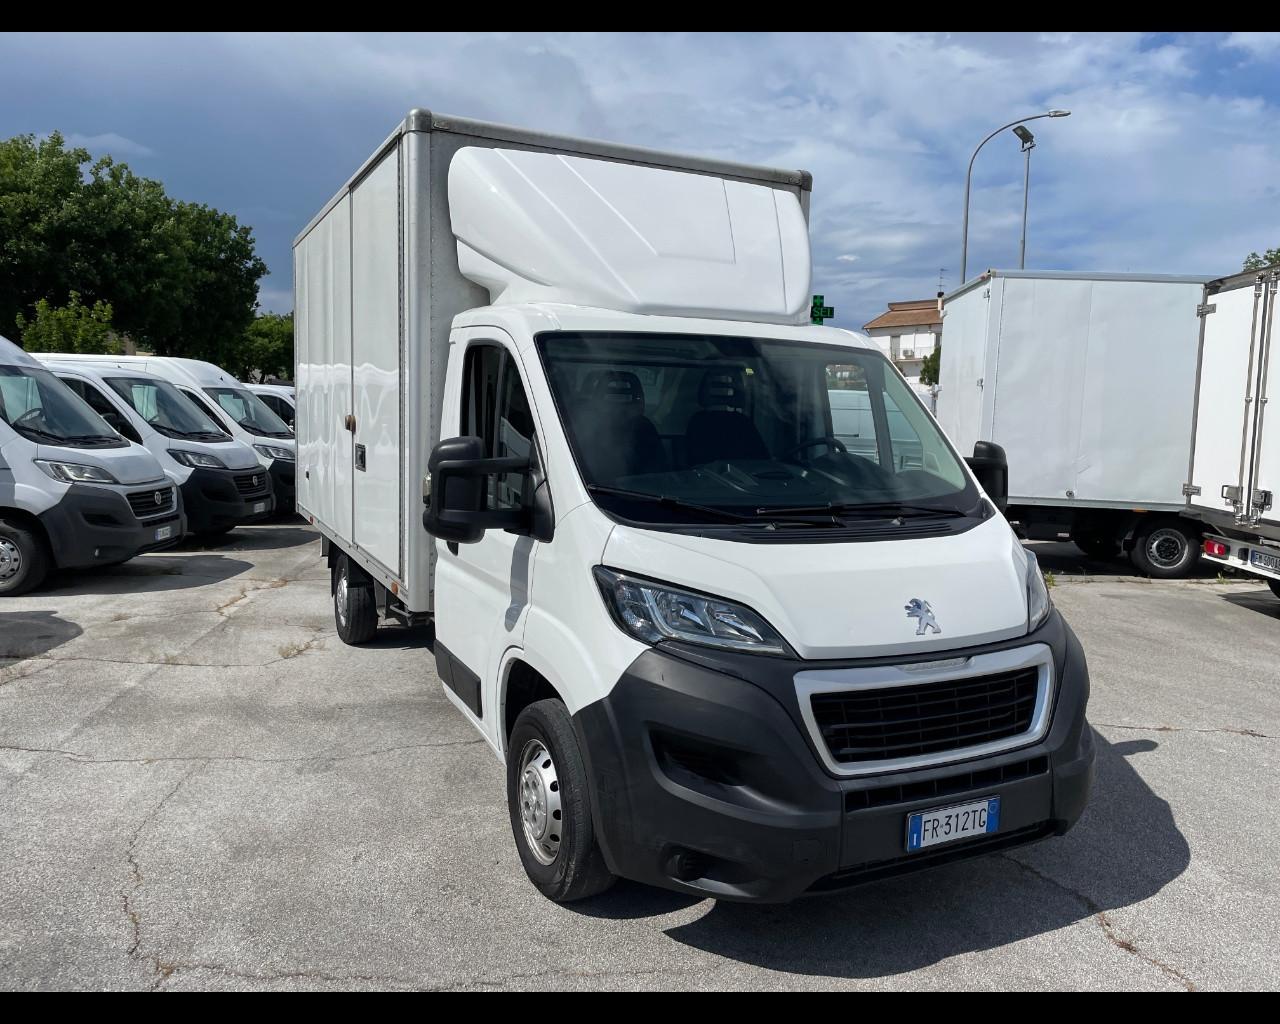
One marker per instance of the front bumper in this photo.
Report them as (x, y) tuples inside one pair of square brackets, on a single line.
[(96, 526), (284, 484), (213, 500), (706, 781)]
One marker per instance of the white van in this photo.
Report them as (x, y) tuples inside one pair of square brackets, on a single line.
[(560, 398), (221, 480), (279, 398), (227, 402), (73, 492)]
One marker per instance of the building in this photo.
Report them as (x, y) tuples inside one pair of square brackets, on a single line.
[(907, 332)]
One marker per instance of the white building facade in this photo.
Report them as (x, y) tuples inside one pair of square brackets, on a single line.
[(907, 332)]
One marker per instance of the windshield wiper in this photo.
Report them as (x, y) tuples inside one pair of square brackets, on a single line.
[(662, 499), (891, 510)]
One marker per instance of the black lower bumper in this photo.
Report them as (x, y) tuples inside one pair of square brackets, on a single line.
[(706, 782), (96, 526), (284, 484), (214, 500)]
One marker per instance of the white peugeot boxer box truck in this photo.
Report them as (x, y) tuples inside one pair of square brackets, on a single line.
[(221, 481), (1088, 383), (558, 396), (73, 492), (232, 406)]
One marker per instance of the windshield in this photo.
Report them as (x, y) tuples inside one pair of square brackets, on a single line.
[(247, 409), (165, 408), (43, 409), (750, 426)]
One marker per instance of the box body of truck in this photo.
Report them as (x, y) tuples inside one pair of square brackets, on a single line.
[(377, 284)]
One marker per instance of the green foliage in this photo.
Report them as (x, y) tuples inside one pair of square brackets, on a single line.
[(74, 327), (181, 277), (265, 349), (1255, 262), (930, 364)]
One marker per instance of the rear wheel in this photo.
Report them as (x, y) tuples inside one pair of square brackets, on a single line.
[(354, 610), (1165, 549), (550, 806), (24, 562), (1275, 586), (1096, 545)]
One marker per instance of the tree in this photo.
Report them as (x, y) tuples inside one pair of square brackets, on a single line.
[(930, 364), (265, 349), (74, 327), (1255, 262), (181, 277)]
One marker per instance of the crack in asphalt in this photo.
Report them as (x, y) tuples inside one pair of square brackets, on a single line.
[(246, 591), (1225, 730), (1105, 923), (167, 969), (81, 758)]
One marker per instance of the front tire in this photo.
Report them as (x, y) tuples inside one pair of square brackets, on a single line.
[(354, 610), (1166, 549), (24, 562), (550, 806)]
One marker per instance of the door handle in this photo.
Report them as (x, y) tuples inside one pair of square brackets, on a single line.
[(350, 423)]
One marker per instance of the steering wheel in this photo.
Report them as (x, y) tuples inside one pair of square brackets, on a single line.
[(829, 440), (30, 414)]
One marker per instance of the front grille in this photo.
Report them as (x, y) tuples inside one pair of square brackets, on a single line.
[(947, 786), (146, 504), (252, 483), (885, 724)]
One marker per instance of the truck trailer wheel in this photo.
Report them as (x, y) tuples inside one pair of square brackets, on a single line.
[(550, 807), (1101, 546), (1165, 549), (24, 563), (1275, 586), (354, 609)]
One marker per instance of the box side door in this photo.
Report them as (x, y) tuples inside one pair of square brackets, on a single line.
[(322, 333), (376, 363), (965, 331), (1228, 376)]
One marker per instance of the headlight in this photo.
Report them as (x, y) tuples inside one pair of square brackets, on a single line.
[(75, 472), (1038, 603), (652, 612), (270, 451), (196, 460)]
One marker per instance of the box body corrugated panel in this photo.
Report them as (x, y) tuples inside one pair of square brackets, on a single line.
[(377, 287), (1088, 382)]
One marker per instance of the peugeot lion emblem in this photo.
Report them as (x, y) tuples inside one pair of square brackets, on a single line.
[(923, 614), (159, 497), (255, 481)]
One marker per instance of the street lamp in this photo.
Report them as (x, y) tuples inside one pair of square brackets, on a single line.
[(1028, 144), (964, 241)]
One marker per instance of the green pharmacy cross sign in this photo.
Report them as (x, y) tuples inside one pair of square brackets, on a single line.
[(819, 312)]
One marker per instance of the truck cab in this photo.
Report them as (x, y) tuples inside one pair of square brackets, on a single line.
[(279, 398), (221, 480), (73, 492)]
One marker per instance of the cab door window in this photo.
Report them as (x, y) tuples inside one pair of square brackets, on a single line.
[(496, 409)]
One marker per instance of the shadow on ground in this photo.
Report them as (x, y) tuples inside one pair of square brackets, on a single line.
[(1261, 601), (1066, 559), (27, 634), (148, 574), (290, 533), (1125, 849)]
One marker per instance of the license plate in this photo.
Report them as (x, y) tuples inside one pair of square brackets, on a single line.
[(164, 532), (947, 824), (259, 506), (1265, 561)]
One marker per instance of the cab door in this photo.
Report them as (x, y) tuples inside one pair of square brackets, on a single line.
[(482, 589)]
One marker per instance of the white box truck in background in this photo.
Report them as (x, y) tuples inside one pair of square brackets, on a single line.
[(560, 398), (1088, 382)]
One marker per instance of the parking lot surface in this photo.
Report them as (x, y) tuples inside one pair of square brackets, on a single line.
[(202, 787)]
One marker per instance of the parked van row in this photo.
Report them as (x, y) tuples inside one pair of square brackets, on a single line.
[(103, 458)]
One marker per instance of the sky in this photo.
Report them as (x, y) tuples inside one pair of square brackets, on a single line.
[(1169, 162)]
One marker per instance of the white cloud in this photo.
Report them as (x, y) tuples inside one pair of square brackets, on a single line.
[(1255, 44), (109, 143)]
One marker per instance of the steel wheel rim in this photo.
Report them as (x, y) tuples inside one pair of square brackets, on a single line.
[(10, 559), (541, 812), (1167, 548), (340, 597)]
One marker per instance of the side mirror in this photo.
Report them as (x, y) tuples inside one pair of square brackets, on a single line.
[(456, 494), (991, 467)]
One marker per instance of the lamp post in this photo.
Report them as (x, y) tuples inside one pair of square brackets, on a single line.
[(1028, 144), (968, 179)]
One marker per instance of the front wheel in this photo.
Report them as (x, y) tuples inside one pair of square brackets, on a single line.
[(354, 610), (24, 562), (1165, 549), (550, 806)]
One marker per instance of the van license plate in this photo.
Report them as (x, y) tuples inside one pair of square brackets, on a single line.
[(947, 824), (1265, 561), (259, 506), (164, 532)]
